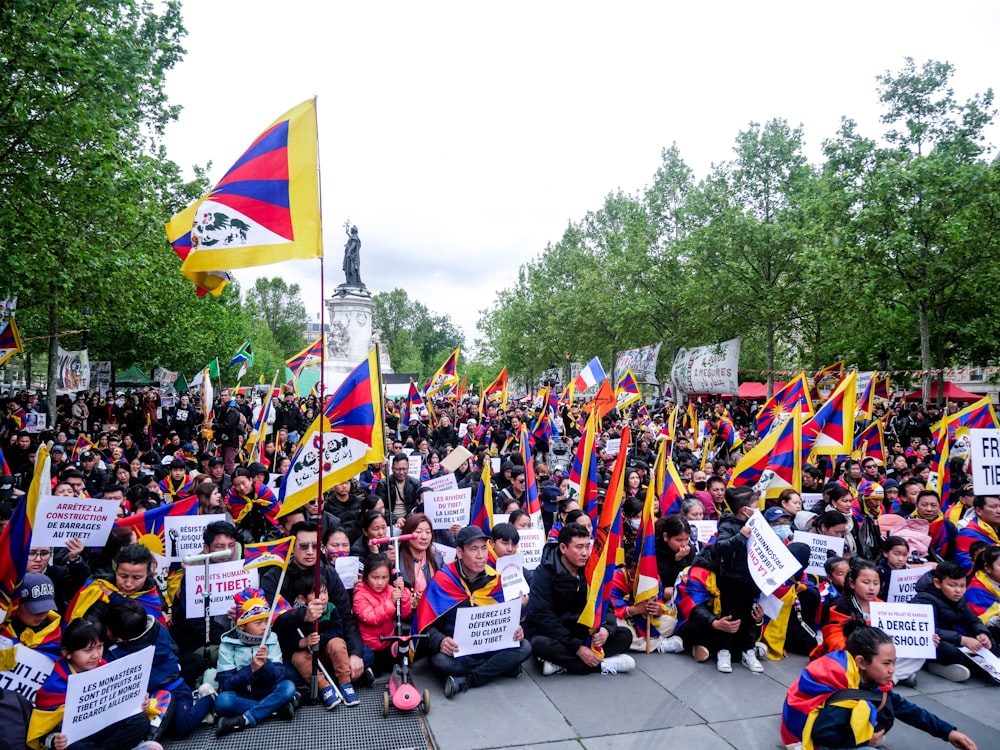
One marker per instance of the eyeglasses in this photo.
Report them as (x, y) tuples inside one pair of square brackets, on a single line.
[(307, 546), (41, 554)]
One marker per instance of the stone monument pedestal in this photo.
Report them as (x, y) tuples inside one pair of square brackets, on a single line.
[(349, 338)]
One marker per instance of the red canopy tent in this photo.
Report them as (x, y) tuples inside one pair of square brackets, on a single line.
[(758, 391), (951, 393)]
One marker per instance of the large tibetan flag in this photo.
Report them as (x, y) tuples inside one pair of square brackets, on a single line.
[(831, 429), (646, 582), (978, 415), (591, 375), (882, 389), (542, 428), (353, 437), (530, 503), (775, 463), (870, 442), (482, 506), (940, 476), (10, 340), (278, 552), (446, 376), (412, 406), (499, 389), (671, 487), (308, 356), (793, 393), (583, 477), (243, 358), (627, 391), (15, 539), (607, 538), (265, 209), (866, 401)]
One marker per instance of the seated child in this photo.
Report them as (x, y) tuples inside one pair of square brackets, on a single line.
[(895, 553), (298, 637), (375, 600), (955, 623), (132, 629), (251, 672), (983, 594), (35, 623), (82, 649)]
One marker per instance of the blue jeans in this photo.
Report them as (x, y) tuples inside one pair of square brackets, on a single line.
[(186, 713), (262, 703), (483, 668)]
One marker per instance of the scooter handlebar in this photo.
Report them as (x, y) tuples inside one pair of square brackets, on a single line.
[(391, 539)]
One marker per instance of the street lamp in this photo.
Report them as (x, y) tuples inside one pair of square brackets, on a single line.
[(883, 358)]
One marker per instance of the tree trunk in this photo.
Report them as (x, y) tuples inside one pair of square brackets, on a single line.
[(939, 359), (27, 370), (50, 380), (925, 351), (770, 358)]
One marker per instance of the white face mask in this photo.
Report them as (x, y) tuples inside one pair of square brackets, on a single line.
[(634, 523)]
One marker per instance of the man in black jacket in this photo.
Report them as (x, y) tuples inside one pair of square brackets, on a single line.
[(558, 596), (228, 429), (399, 492)]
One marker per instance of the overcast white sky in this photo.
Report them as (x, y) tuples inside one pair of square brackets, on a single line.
[(462, 137)]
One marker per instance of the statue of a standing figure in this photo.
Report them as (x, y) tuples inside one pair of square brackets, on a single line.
[(352, 259)]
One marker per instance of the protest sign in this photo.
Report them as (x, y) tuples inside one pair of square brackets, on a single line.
[(500, 518), (445, 509), (770, 562), (226, 579), (820, 548), (60, 518), (705, 531), (902, 584), (347, 569), (72, 371), (511, 570), (911, 627), (441, 484), (984, 447), (414, 467), (771, 605), (985, 659), (463, 429), (809, 499), (613, 446), (530, 547), (184, 535), (641, 361), (102, 696), (489, 628), (447, 553), (495, 465), (30, 673), (456, 458)]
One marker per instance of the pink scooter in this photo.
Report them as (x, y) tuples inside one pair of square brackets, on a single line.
[(402, 693)]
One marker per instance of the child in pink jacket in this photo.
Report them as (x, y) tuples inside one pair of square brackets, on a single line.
[(375, 609)]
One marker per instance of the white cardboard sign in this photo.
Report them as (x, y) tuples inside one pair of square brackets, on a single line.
[(911, 627), (770, 562), (820, 547), (102, 696), (226, 578), (30, 673), (511, 570), (530, 547), (447, 508), (706, 530), (184, 535), (60, 518), (347, 569), (443, 483), (985, 451), (902, 584), (490, 628)]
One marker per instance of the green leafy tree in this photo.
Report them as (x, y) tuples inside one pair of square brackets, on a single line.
[(414, 336), (278, 306)]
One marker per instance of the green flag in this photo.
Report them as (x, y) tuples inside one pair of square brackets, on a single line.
[(213, 368)]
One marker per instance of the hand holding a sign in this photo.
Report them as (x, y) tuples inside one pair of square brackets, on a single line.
[(449, 647), (75, 548), (974, 645)]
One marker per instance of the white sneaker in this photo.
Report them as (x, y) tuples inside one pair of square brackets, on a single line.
[(724, 662), (751, 662), (671, 645), (548, 668), (617, 664), (953, 672), (205, 689)]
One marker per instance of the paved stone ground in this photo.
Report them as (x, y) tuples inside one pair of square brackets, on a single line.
[(670, 701)]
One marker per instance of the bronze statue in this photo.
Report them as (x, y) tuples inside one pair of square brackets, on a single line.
[(352, 259)]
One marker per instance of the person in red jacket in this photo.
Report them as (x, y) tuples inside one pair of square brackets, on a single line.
[(375, 600)]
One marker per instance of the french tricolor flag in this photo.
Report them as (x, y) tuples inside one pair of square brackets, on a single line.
[(590, 375)]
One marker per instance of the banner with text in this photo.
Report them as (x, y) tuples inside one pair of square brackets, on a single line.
[(770, 562), (447, 508), (708, 369), (226, 579), (489, 628), (911, 627), (58, 519), (642, 362), (820, 548), (102, 696)]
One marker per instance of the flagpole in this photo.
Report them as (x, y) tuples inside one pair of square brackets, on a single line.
[(322, 408)]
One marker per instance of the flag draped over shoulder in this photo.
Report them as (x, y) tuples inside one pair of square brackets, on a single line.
[(447, 589), (793, 393), (607, 539), (482, 506), (446, 376), (308, 356), (353, 437), (278, 552), (15, 539), (265, 209), (10, 340), (831, 429)]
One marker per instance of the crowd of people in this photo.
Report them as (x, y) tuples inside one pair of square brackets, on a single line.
[(257, 662)]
